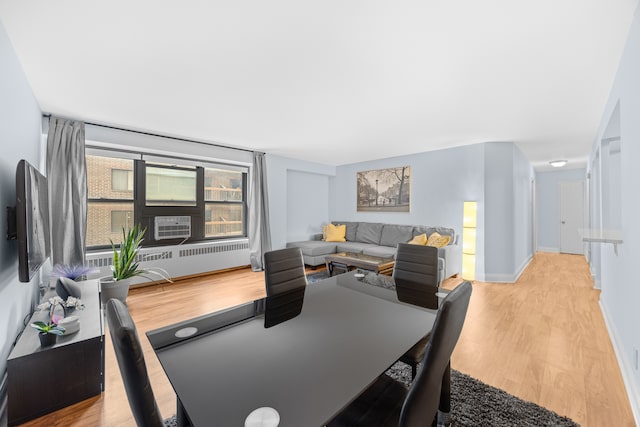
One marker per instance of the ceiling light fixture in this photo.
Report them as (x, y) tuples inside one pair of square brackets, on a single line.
[(558, 163)]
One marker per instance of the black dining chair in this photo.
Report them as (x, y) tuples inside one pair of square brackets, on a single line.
[(285, 283), (389, 403), (134, 369), (416, 277)]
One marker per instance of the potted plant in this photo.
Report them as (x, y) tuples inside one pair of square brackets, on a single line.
[(48, 332), (126, 266)]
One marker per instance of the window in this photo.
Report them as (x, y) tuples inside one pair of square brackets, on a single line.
[(170, 186), (126, 191), (224, 207), (121, 180), (108, 192), (120, 220)]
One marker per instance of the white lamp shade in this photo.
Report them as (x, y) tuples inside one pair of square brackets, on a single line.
[(470, 214), (469, 241), (468, 267)]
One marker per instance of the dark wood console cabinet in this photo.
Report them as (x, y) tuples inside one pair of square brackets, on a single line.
[(43, 380)]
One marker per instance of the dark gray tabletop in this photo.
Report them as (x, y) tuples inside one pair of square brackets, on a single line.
[(307, 368)]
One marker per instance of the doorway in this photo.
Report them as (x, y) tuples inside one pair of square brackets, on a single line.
[(571, 216)]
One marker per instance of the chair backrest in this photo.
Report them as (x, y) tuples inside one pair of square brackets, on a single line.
[(421, 404), (285, 283), (132, 366), (416, 274)]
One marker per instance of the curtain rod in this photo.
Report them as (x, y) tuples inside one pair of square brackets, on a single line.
[(154, 134)]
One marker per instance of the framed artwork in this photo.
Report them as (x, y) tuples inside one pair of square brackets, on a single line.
[(384, 190)]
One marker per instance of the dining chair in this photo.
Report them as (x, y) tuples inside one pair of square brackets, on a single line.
[(134, 369), (389, 403), (415, 274), (285, 283)]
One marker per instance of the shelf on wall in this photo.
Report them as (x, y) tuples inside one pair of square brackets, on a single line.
[(594, 235)]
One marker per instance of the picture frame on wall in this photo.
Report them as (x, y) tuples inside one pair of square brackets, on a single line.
[(384, 190)]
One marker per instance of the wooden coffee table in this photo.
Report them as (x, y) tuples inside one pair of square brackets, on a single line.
[(347, 261)]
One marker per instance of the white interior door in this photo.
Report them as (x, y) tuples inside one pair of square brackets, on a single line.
[(571, 216)]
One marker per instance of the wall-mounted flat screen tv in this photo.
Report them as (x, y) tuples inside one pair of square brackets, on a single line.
[(32, 220)]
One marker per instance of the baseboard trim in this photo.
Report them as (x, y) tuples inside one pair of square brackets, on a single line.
[(523, 267), (508, 278), (633, 391)]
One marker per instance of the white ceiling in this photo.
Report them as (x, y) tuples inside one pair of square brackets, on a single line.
[(333, 82)]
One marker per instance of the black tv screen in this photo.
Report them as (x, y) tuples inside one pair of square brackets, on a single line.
[(32, 220)]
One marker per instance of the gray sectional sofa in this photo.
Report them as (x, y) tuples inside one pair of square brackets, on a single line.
[(372, 238)]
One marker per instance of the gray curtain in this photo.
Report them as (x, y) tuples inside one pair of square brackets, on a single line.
[(259, 229), (67, 176)]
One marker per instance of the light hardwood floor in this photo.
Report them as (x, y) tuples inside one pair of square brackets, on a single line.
[(542, 339)]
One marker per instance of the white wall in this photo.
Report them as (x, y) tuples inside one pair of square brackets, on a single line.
[(548, 205), (20, 134), (620, 297)]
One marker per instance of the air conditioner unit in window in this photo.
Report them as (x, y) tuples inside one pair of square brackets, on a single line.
[(172, 227)]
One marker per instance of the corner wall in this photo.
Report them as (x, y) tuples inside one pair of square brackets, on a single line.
[(508, 227), (309, 184), (20, 134)]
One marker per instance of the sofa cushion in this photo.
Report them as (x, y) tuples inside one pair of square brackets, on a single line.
[(381, 251), (335, 233), (392, 234), (369, 232), (443, 231), (356, 247), (314, 247), (351, 229), (420, 239), (438, 240)]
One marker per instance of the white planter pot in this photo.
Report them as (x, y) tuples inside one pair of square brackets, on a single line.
[(118, 289)]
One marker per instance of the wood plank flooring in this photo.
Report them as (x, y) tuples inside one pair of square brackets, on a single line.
[(542, 339)]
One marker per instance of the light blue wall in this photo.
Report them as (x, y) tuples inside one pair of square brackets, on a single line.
[(307, 204), (20, 138), (523, 176), (440, 182), (499, 221), (278, 171), (548, 205), (508, 223), (620, 297)]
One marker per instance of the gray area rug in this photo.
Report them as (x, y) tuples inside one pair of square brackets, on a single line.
[(316, 277), (474, 403)]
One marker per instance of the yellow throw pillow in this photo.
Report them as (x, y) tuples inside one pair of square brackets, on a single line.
[(420, 239), (336, 233), (438, 241), (324, 232)]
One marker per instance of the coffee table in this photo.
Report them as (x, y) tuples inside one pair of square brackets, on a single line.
[(346, 261)]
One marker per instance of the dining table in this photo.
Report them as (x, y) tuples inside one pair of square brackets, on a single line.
[(226, 365)]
